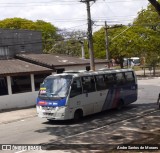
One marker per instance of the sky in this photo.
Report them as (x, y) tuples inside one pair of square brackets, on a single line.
[(72, 14)]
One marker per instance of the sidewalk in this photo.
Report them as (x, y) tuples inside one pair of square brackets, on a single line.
[(7, 117)]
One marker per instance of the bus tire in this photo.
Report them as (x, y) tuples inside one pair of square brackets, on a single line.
[(120, 105), (78, 115)]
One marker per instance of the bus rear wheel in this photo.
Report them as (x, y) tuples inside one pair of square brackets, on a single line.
[(78, 115), (120, 105)]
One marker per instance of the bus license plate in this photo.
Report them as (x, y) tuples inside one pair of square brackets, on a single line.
[(48, 114), (46, 111)]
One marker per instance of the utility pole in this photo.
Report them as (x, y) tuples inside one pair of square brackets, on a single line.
[(90, 39), (107, 44), (106, 38)]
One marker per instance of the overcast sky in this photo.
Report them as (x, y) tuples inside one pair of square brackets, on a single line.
[(72, 14)]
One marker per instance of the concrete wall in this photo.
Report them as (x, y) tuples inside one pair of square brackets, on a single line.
[(14, 41), (82, 67), (21, 100)]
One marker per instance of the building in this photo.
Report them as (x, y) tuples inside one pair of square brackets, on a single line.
[(13, 42), (20, 82), (20, 78), (23, 67), (60, 63)]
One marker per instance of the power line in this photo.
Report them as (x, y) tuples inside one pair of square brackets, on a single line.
[(63, 1), (120, 1), (68, 1), (47, 3), (76, 26), (121, 33)]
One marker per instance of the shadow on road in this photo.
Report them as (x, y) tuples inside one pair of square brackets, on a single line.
[(102, 115), (64, 129), (102, 131)]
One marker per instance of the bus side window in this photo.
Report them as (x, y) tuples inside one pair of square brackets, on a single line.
[(109, 80), (129, 76), (100, 84), (120, 79), (76, 88), (88, 84)]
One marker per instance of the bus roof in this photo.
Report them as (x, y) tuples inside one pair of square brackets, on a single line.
[(88, 73)]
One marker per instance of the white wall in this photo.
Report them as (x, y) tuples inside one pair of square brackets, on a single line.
[(21, 100)]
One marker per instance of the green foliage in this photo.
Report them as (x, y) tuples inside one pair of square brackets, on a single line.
[(64, 43), (49, 34), (17, 23), (70, 44), (148, 18), (140, 39), (99, 43), (150, 21)]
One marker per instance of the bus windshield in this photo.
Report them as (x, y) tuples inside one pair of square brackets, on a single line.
[(55, 87)]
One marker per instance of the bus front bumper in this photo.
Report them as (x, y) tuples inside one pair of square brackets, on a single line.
[(54, 113)]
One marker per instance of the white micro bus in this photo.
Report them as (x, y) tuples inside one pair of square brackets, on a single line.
[(72, 95)]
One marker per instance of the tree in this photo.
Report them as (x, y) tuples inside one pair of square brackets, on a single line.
[(17, 23), (99, 43), (70, 43), (156, 5), (123, 46), (149, 20), (140, 39), (49, 34)]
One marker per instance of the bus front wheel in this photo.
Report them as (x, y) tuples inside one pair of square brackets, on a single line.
[(78, 115)]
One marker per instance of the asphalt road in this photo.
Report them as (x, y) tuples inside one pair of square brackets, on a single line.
[(148, 90), (93, 128)]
